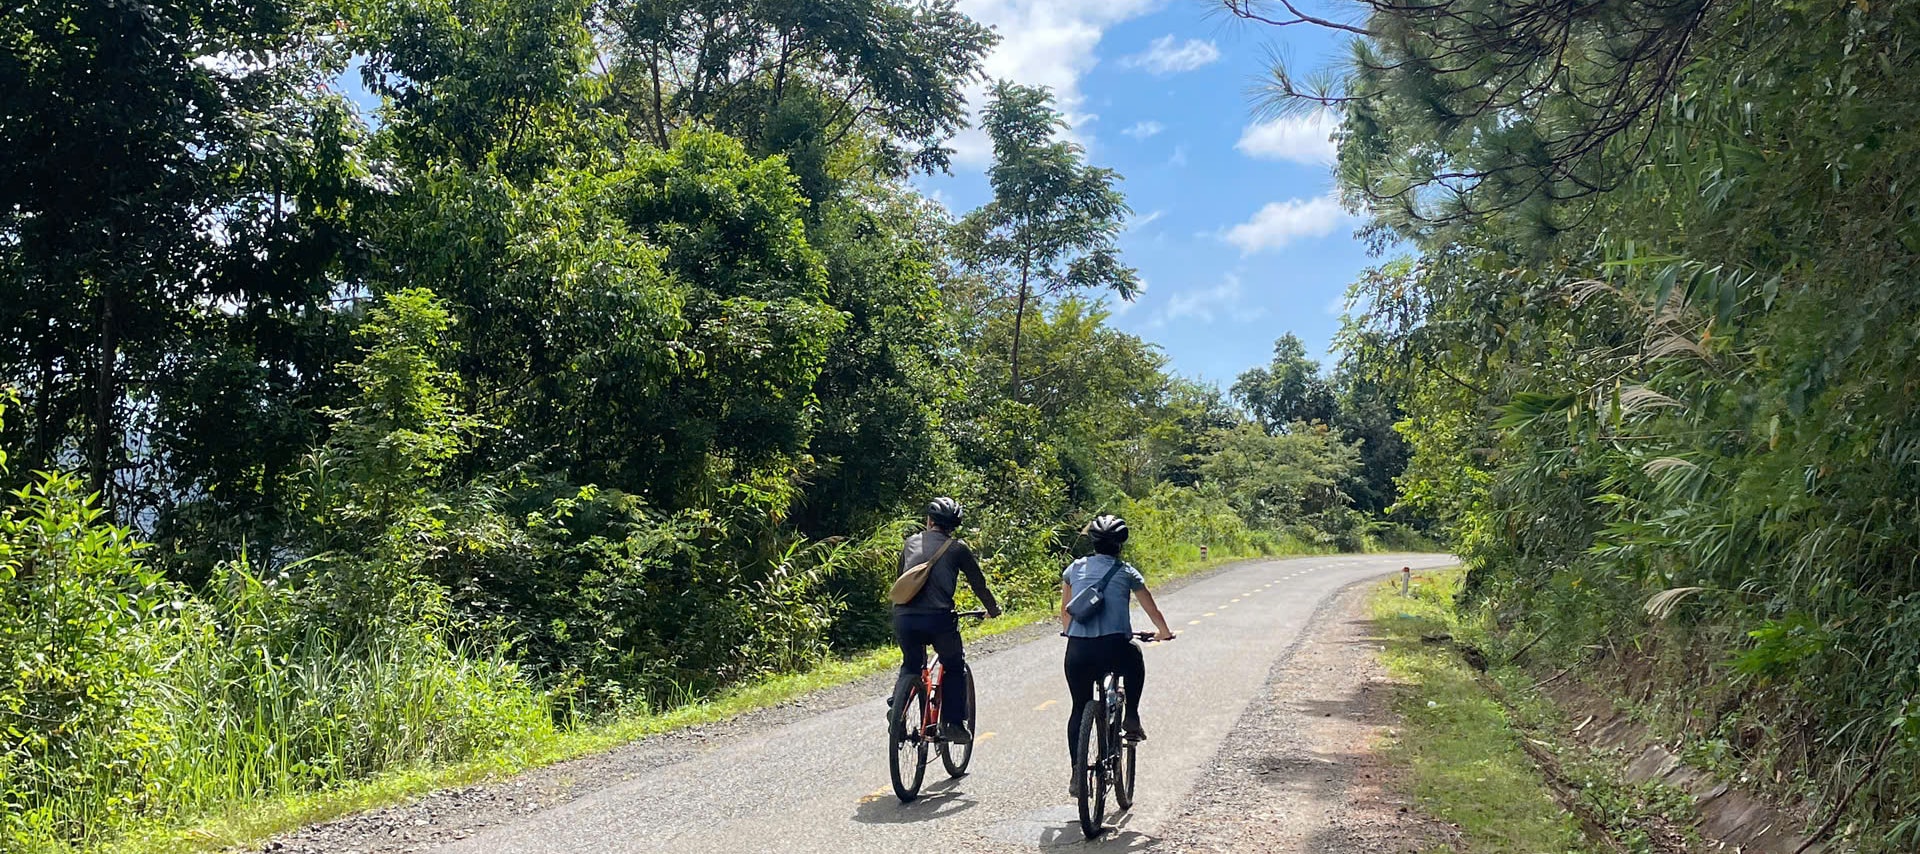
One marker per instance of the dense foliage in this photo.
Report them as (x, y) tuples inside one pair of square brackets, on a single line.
[(1659, 343), (600, 370)]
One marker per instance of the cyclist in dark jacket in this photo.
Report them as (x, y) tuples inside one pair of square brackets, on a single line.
[(928, 617)]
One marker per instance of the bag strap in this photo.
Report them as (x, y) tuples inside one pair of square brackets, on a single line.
[(937, 554), (1109, 576)]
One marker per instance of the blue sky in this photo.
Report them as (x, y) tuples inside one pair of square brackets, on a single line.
[(1234, 230)]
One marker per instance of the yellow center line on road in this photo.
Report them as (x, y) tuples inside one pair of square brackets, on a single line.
[(1207, 614), (985, 735), (1193, 622), (1043, 706), (1236, 599), (875, 795)]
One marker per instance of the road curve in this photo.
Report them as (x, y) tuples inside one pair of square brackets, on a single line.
[(819, 783)]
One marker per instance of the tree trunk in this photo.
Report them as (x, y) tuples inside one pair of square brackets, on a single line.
[(43, 407), (1019, 320), (106, 383), (779, 89), (659, 113)]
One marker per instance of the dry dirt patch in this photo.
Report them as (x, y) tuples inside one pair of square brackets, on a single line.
[(1301, 771)]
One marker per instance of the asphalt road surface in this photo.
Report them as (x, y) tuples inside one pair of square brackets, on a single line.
[(819, 783)]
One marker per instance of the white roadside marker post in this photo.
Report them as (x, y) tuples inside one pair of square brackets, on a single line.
[(1406, 581)]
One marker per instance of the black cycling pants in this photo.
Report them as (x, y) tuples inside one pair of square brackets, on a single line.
[(1089, 659), (913, 632)]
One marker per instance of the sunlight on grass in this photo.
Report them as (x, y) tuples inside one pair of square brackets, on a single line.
[(1467, 767)]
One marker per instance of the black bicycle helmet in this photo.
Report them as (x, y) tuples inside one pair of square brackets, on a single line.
[(944, 512), (1107, 529)]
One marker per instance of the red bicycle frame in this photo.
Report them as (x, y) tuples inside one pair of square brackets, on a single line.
[(930, 693)]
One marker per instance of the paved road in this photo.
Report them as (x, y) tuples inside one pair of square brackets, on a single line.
[(819, 784)]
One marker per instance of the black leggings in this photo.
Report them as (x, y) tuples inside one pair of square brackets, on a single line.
[(1088, 659), (913, 632)]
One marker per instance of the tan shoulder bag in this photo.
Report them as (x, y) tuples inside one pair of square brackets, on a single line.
[(909, 583)]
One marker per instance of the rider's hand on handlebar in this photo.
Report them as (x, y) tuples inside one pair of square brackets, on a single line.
[(1163, 635)]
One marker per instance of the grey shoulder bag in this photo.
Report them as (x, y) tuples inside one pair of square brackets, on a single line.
[(1087, 604)]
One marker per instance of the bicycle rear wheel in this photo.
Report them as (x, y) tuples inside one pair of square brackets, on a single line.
[(907, 739), (1089, 748), (957, 756)]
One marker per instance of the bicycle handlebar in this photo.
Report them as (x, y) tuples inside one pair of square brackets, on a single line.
[(1147, 637), (979, 614)]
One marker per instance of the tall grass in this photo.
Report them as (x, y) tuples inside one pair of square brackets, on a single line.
[(249, 712), (241, 698)]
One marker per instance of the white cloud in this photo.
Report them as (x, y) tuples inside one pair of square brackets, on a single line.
[(1140, 222), (1302, 139), (1142, 130), (1201, 305), (1280, 223), (1042, 43), (1164, 56), (1221, 301), (1179, 157)]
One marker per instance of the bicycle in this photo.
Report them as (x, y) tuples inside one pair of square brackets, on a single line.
[(913, 726), (1102, 725)]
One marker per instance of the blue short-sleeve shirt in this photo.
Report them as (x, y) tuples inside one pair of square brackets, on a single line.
[(1114, 618)]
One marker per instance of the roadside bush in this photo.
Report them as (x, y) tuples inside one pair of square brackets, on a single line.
[(76, 737), (135, 700)]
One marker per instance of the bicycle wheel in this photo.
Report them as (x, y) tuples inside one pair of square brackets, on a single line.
[(1123, 760), (957, 756), (1089, 748), (906, 738)]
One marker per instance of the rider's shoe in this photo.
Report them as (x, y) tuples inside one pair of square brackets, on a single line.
[(955, 733), (1133, 730)]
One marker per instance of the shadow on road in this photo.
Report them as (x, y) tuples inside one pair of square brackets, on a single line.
[(1046, 831), (937, 801)]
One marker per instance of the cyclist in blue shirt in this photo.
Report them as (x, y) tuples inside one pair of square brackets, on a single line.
[(1104, 643)]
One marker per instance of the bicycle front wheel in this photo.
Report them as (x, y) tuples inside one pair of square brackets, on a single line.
[(957, 756), (1089, 751), (1123, 774), (906, 736)]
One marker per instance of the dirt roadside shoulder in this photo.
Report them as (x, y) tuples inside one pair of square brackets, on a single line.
[(1300, 771)]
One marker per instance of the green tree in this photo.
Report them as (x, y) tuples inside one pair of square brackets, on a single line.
[(372, 498), (494, 83), (172, 176), (1053, 220), (1288, 390), (1279, 480), (1649, 346), (888, 371), (807, 79)]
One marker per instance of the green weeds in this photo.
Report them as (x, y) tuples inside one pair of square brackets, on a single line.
[(1459, 743)]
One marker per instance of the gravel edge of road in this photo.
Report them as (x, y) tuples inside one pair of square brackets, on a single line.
[(447, 815), (1271, 785)]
